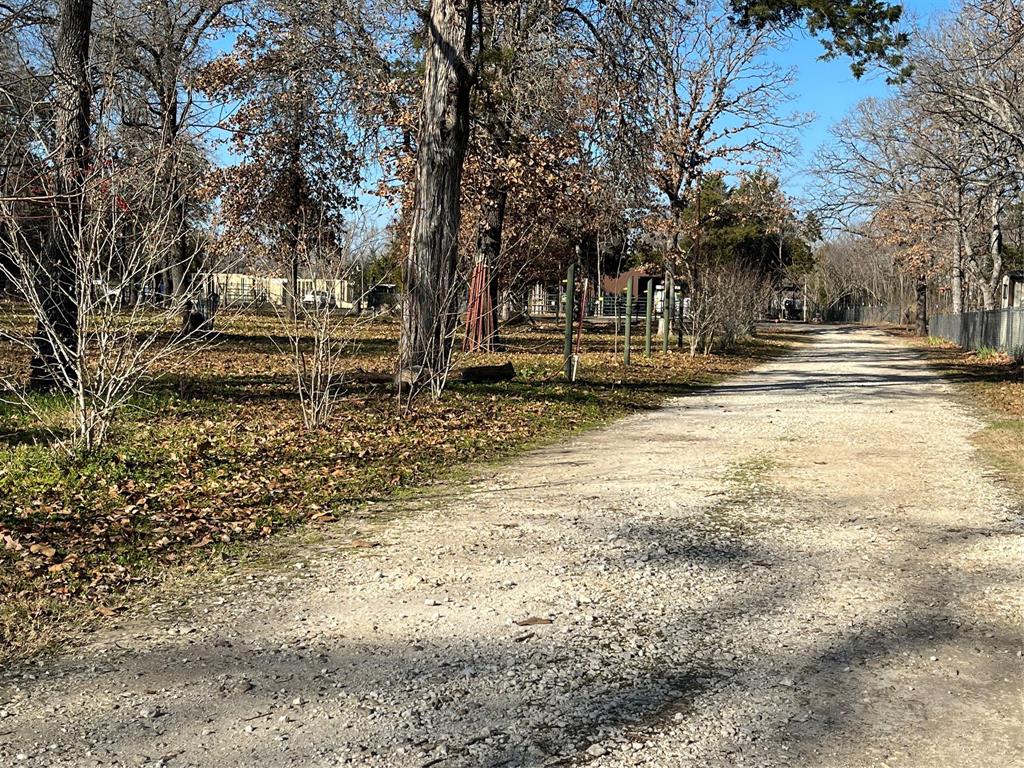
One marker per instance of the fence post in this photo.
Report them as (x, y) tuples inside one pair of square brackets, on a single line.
[(666, 312), (648, 316), (629, 321), (570, 308)]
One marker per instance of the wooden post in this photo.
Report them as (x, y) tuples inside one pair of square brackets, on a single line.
[(649, 316), (570, 306), (629, 321), (666, 312)]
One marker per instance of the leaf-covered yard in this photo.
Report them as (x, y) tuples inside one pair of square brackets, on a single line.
[(214, 456)]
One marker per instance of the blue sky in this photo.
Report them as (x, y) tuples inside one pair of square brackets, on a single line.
[(828, 90)]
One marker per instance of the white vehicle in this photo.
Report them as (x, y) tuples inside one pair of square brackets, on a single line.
[(319, 300)]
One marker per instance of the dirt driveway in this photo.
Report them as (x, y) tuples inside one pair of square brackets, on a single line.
[(808, 566)]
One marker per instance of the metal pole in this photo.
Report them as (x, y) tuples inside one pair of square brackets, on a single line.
[(629, 321), (649, 316), (570, 302)]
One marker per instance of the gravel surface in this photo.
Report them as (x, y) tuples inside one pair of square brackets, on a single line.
[(807, 566)]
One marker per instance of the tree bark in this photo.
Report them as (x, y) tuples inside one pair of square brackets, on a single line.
[(177, 244), (921, 313), (989, 283), (957, 280), (294, 212), (54, 364), (430, 306), (175, 203), (181, 247)]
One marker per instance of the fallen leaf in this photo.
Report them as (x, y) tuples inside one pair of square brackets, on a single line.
[(43, 549)]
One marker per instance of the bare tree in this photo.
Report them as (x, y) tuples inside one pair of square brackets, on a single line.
[(323, 329), (934, 166), (855, 270), (709, 94), (967, 78), (110, 232), (970, 65)]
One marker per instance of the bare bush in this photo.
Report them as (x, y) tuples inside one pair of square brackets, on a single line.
[(117, 326), (323, 327), (726, 307)]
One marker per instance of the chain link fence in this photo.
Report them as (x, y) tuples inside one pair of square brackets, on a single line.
[(1001, 329), (998, 329)]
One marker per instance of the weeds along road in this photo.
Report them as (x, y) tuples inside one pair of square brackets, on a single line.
[(808, 566)]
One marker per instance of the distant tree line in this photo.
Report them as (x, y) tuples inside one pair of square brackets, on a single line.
[(934, 174)]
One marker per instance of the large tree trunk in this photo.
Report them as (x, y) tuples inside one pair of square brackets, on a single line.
[(55, 364), (678, 209), (180, 246), (969, 262), (430, 301), (176, 206), (957, 279), (989, 283), (177, 245), (294, 214), (921, 312)]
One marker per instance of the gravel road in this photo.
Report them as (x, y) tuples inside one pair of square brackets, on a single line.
[(808, 566)]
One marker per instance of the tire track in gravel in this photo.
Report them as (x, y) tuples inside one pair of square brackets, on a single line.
[(806, 566)]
